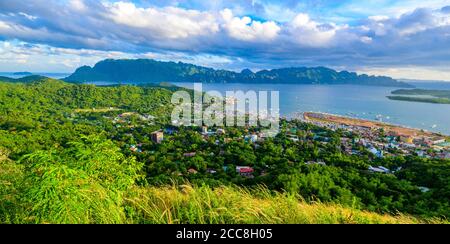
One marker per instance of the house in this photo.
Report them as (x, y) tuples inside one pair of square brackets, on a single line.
[(376, 152), (251, 138), (245, 171), (379, 169), (320, 162), (220, 132), (436, 141), (447, 155), (192, 171), (293, 138), (384, 169), (157, 137), (205, 130), (228, 140), (393, 145), (407, 139), (424, 189), (190, 154), (420, 153), (134, 148)]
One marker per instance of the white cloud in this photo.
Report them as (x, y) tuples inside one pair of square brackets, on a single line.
[(246, 29), (379, 17), (4, 26), (366, 39), (411, 72), (44, 58), (310, 33), (163, 23), (93, 30), (29, 17)]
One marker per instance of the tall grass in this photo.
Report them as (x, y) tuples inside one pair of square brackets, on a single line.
[(232, 205)]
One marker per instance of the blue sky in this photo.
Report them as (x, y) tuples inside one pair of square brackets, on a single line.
[(403, 39)]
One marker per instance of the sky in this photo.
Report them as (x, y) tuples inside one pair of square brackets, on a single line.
[(403, 39)]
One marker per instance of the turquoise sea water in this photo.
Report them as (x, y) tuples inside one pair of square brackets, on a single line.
[(364, 102)]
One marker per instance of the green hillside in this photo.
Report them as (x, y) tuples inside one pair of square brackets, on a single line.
[(84, 154)]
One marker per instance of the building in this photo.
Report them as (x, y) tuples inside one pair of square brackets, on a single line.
[(157, 137), (379, 169), (192, 171), (376, 152), (316, 163), (190, 154), (407, 139), (245, 171), (424, 189), (251, 138), (220, 132)]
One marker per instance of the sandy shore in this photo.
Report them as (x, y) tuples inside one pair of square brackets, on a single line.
[(389, 128)]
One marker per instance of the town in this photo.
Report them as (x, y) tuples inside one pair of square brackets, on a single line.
[(353, 140)]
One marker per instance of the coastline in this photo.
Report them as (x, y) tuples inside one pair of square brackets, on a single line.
[(351, 121)]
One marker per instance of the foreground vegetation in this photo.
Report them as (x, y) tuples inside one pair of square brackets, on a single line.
[(94, 183), (65, 158), (186, 204)]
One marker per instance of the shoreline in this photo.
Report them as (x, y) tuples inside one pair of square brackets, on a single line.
[(353, 121)]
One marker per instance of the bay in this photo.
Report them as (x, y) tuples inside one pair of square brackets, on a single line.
[(365, 102)]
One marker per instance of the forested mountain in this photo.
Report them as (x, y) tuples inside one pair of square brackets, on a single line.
[(148, 71)]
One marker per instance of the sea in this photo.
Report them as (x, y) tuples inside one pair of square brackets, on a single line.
[(50, 75), (365, 102)]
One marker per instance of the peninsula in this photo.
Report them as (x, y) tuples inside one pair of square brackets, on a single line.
[(421, 95)]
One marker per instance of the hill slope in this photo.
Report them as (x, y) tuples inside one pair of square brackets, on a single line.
[(90, 202), (146, 71), (231, 205)]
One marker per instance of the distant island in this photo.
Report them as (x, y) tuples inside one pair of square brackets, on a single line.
[(152, 71), (23, 73), (421, 95), (26, 79)]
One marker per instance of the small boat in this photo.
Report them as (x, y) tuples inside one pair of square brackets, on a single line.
[(434, 126)]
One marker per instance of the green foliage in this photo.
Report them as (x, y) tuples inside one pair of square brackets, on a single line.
[(421, 99), (85, 183)]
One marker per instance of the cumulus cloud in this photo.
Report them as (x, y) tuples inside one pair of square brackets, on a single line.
[(247, 29), (310, 33), (97, 29), (170, 22)]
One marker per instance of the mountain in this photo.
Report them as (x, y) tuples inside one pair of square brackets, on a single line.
[(151, 71)]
